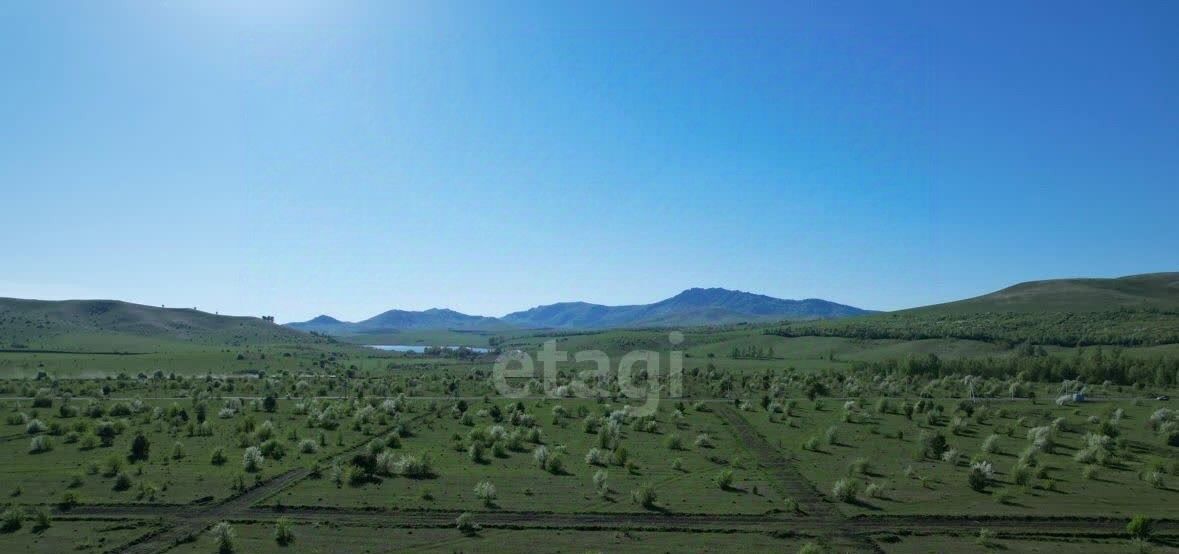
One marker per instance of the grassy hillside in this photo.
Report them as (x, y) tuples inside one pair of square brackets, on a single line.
[(1140, 310), (1150, 291), (114, 326)]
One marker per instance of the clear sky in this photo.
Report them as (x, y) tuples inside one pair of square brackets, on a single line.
[(297, 158)]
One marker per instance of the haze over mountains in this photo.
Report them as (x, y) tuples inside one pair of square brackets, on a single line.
[(697, 306)]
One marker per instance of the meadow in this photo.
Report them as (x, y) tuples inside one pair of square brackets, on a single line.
[(817, 446)]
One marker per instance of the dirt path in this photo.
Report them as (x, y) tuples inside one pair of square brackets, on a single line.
[(817, 511), (783, 476)]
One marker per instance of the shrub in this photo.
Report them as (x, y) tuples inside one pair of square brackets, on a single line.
[(284, 531), (122, 481), (475, 451), (703, 441), (41, 520), (11, 520), (677, 464), (140, 448), (986, 538), (252, 459), (600, 485), (845, 490), (39, 444), (178, 450), (223, 537), (812, 548), (645, 495), (308, 446), (1139, 527), (1155, 478), (555, 465), (811, 444), (860, 466), (991, 444), (876, 490), (218, 456), (35, 426), (540, 455), (466, 523), (724, 479), (111, 466), (596, 457), (273, 449), (414, 467), (68, 501), (1090, 473), (932, 445), (485, 491), (980, 475), (674, 442), (832, 435)]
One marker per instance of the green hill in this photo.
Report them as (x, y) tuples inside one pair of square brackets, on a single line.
[(1138, 310), (1150, 291), (110, 325)]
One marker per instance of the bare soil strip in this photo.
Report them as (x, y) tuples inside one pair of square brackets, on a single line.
[(783, 476)]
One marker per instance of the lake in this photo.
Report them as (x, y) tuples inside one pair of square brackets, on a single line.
[(420, 348)]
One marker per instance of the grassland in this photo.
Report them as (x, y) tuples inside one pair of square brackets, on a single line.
[(363, 451)]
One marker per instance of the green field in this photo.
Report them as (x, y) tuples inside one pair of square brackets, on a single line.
[(813, 443)]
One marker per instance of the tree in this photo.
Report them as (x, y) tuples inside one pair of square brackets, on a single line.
[(106, 432), (270, 403), (140, 449)]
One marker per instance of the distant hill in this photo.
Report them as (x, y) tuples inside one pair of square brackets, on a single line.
[(692, 307), (1135, 310), (401, 320), (106, 325), (697, 306), (1152, 290)]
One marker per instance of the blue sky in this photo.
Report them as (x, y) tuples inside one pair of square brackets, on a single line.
[(297, 158)]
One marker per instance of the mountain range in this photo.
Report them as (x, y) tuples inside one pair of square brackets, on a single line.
[(401, 320), (697, 306), (105, 325)]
